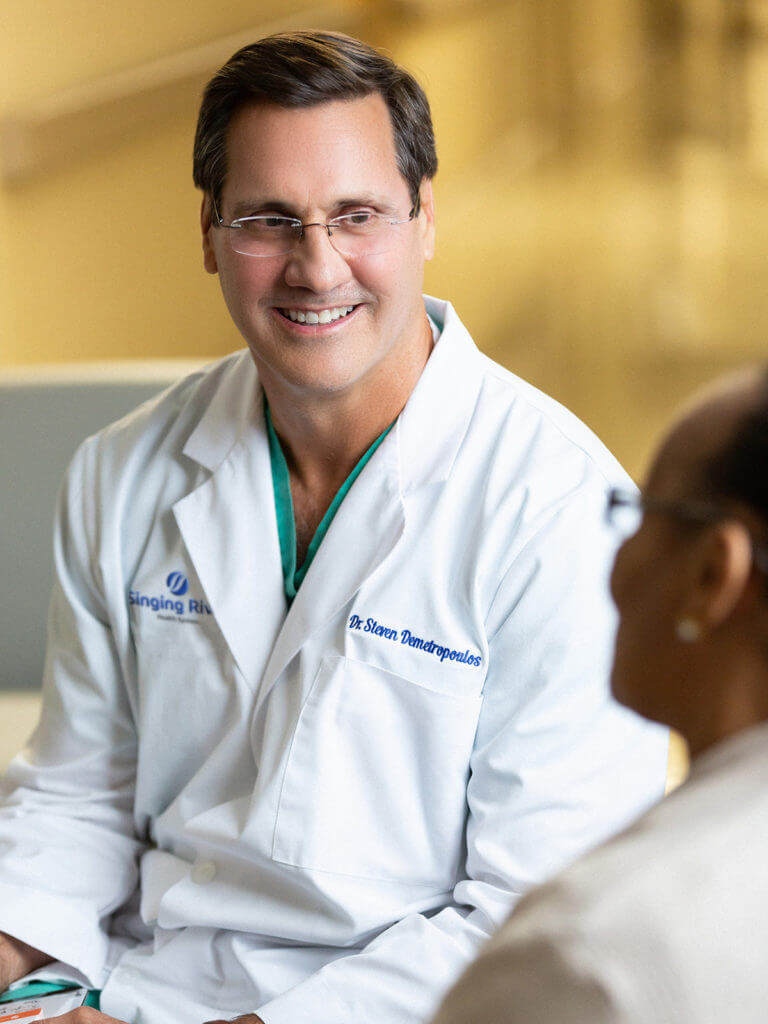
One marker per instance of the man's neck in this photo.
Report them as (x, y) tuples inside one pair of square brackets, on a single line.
[(324, 436)]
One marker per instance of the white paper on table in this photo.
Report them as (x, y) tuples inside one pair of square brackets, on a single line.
[(35, 1008)]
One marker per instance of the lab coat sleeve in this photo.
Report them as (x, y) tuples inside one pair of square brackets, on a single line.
[(557, 766), (67, 845)]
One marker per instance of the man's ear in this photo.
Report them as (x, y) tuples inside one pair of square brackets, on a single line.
[(722, 573), (209, 256), (428, 210)]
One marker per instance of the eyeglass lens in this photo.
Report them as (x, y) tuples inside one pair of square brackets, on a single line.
[(273, 236), (624, 513)]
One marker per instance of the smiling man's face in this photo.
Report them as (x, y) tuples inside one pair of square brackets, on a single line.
[(317, 163)]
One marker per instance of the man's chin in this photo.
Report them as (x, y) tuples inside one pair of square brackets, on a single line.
[(310, 383)]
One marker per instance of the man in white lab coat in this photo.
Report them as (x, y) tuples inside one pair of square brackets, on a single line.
[(327, 676)]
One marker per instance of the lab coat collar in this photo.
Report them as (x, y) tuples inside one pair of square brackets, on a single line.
[(435, 419), (229, 525), (235, 406)]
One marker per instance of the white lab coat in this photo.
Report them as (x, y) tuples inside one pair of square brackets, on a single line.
[(665, 924), (325, 809)]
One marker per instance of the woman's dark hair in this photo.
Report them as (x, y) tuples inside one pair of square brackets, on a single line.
[(739, 471), (302, 69)]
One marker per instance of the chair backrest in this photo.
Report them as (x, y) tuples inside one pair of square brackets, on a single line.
[(45, 411)]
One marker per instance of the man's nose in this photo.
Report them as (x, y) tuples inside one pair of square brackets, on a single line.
[(314, 263)]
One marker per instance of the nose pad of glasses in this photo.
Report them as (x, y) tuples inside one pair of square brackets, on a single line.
[(331, 240), (315, 263), (304, 238)]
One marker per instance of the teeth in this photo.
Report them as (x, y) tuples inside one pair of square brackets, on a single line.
[(325, 316)]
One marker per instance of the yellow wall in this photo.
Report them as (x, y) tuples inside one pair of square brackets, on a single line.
[(601, 195), (101, 255)]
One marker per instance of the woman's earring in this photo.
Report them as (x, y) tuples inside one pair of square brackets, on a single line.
[(688, 630)]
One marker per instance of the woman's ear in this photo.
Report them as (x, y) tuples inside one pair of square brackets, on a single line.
[(209, 255), (722, 572)]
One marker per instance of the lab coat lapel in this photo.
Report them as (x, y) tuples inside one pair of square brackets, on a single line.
[(365, 529), (228, 523), (435, 420)]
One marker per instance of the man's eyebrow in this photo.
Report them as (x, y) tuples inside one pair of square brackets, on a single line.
[(364, 199), (244, 207), (380, 203), (248, 206)]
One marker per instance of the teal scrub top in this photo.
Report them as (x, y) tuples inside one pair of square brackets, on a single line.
[(286, 526)]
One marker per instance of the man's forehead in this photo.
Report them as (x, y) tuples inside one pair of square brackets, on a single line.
[(363, 117), (339, 146)]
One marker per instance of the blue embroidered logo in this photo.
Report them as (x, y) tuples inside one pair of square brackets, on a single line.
[(409, 639), (172, 608), (177, 584)]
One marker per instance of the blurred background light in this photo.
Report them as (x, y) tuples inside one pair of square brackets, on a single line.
[(601, 193)]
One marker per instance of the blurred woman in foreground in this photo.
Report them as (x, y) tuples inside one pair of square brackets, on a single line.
[(668, 922)]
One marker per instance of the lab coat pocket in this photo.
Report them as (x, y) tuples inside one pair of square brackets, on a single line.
[(375, 781)]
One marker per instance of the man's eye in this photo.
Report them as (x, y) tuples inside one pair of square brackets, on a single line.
[(259, 225), (359, 220)]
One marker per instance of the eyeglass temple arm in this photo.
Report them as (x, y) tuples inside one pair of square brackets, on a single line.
[(217, 219)]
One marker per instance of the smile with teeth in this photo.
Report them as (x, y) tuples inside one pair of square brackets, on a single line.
[(319, 316)]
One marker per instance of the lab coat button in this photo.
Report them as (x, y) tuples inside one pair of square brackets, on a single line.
[(203, 872)]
